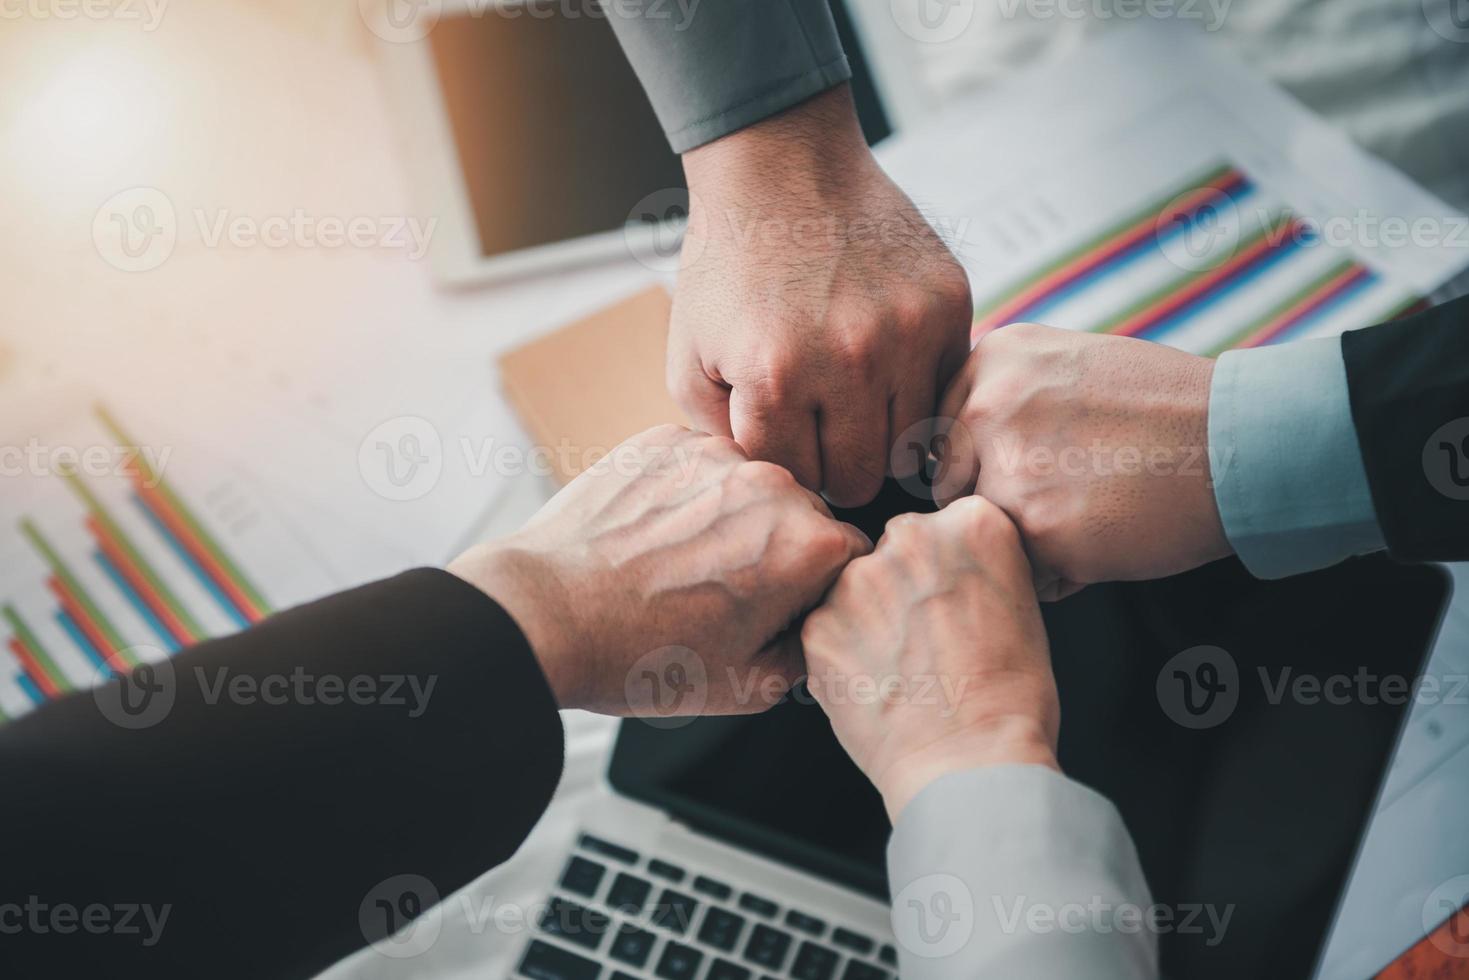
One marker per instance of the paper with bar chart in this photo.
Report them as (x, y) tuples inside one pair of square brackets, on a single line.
[(1150, 187), (119, 550)]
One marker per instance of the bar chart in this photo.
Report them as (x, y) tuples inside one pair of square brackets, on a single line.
[(1208, 264), (120, 551)]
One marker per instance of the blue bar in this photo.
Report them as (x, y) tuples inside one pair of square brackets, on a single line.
[(188, 559), (29, 686), (80, 639), (126, 588)]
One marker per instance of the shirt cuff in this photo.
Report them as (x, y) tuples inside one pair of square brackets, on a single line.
[(1017, 870), (1288, 476)]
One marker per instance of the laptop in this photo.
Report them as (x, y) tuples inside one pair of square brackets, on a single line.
[(751, 847)]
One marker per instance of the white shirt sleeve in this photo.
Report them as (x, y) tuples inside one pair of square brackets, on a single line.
[(1017, 871)]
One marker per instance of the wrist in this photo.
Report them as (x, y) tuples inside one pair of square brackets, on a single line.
[(527, 588), (1012, 740), (810, 148)]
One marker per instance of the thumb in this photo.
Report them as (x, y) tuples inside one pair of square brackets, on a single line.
[(705, 400)]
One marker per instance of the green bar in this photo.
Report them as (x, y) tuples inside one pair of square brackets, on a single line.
[(156, 479), (1180, 283), (34, 646), (116, 532), (1152, 209), (1279, 308), (58, 567)]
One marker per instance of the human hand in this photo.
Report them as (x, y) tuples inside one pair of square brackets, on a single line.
[(929, 656), (675, 539), (1097, 447), (817, 314)]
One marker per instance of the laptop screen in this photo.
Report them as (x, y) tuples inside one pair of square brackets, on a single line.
[(1258, 814)]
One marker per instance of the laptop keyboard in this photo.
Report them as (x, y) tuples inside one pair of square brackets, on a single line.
[(615, 917)]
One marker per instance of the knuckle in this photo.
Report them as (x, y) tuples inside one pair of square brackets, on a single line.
[(765, 477)]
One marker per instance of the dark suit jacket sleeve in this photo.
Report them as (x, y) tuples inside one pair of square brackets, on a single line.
[(711, 67), (1409, 389), (267, 825)]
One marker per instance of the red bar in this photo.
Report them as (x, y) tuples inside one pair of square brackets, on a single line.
[(1105, 252), (140, 584), (33, 670), (78, 613), (1173, 303), (1307, 306), (159, 505)]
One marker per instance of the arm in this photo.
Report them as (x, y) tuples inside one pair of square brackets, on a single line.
[(710, 68), (267, 830), (1122, 459), (999, 864), (817, 314)]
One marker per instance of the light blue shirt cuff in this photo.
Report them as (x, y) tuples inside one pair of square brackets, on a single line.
[(1287, 470)]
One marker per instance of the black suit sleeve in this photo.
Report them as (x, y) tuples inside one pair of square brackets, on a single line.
[(265, 825), (1409, 388)]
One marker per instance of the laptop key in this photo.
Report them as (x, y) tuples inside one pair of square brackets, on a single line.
[(712, 888), (758, 905), (632, 945), (608, 849), (574, 923), (582, 876), (888, 955), (814, 962), (721, 929), (725, 970), (542, 961), (628, 894), (665, 870), (857, 970), (767, 947), (805, 923), (619, 975), (679, 962), (855, 942), (675, 911)]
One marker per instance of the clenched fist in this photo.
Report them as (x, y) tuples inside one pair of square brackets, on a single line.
[(1097, 447), (674, 544), (929, 656), (817, 315)]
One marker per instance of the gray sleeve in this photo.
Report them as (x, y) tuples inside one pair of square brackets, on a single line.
[(1288, 473), (1017, 871), (711, 67)]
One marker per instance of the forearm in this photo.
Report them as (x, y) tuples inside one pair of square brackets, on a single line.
[(401, 728), (1039, 877), (716, 66), (1324, 449)]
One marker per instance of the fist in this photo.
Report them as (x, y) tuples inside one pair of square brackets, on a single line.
[(930, 655), (1097, 447), (817, 314), (675, 558)]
